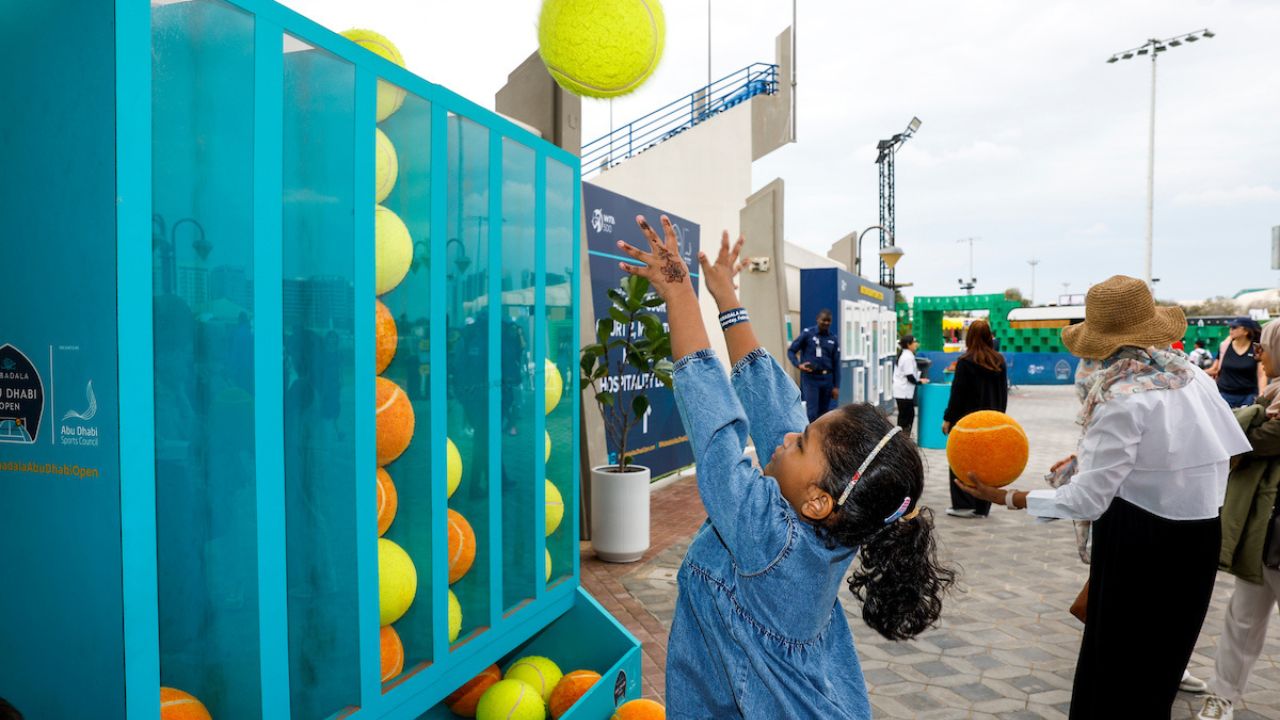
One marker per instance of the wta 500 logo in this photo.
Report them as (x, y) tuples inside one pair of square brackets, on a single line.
[(601, 222), (21, 397)]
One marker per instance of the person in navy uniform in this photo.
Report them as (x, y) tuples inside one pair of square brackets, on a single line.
[(816, 352)]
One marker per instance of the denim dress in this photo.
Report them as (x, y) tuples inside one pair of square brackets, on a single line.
[(758, 631)]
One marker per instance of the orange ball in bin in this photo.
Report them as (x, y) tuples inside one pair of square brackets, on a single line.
[(463, 701), (388, 501), (462, 546), (991, 445), (640, 710), (569, 689), (392, 653), (387, 337), (394, 420), (178, 705)]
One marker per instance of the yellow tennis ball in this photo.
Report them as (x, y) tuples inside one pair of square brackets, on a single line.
[(394, 250), (453, 461), (555, 508), (390, 97), (455, 617), (397, 581), (386, 166), (511, 700), (546, 445), (554, 386), (601, 48), (548, 552), (541, 674)]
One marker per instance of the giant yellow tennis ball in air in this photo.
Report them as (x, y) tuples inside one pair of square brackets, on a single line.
[(394, 420), (554, 386), (541, 674), (571, 687), (511, 700), (601, 48), (390, 97), (394, 250), (386, 166), (392, 653), (397, 581), (555, 508), (455, 617), (178, 705), (386, 337), (462, 546), (453, 467), (991, 445), (388, 501), (462, 702), (640, 710)]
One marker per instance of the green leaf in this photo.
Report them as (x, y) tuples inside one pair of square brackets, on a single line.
[(652, 325), (605, 399), (653, 301), (617, 296), (639, 405), (600, 372), (604, 328), (619, 316), (584, 383), (637, 288)]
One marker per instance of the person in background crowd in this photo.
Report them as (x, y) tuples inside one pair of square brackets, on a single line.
[(1200, 357), (816, 352), (906, 375), (981, 382), (1240, 377)]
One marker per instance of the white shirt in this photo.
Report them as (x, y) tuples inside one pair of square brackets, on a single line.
[(902, 387), (1198, 355), (1166, 451)]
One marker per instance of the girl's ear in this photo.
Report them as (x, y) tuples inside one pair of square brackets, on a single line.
[(819, 505)]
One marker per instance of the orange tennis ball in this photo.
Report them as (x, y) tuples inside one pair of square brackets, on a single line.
[(569, 689), (462, 546), (178, 705), (388, 501), (392, 653), (640, 710), (991, 445), (387, 337), (463, 701), (394, 420)]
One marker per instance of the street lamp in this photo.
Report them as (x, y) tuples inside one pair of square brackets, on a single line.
[(1154, 47), (973, 281), (1033, 262), (890, 254), (884, 159)]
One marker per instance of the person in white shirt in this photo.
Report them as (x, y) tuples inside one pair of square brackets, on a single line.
[(1200, 357), (906, 375), (1152, 474)]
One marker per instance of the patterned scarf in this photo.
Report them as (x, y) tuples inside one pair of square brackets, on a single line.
[(1271, 344), (1131, 370)]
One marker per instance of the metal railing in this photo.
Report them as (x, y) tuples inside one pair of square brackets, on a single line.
[(679, 115)]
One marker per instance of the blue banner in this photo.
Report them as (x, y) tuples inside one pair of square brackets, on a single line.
[(658, 441), (1024, 368)]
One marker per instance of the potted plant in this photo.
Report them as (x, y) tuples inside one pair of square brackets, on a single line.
[(630, 340)]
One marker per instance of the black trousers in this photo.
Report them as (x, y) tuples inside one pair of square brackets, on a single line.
[(1150, 581), (961, 500), (906, 414)]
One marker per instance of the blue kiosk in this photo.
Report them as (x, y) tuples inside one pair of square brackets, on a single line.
[(864, 318)]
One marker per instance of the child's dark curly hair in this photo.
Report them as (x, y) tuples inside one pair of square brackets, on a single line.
[(8, 712), (898, 577)]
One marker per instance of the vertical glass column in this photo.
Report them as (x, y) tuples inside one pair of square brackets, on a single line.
[(319, 387), (202, 249), (561, 368)]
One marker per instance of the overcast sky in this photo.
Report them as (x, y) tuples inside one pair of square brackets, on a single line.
[(1030, 140)]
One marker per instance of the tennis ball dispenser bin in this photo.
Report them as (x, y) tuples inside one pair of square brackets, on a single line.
[(198, 390)]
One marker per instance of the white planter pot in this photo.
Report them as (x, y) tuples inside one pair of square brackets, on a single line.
[(619, 513)]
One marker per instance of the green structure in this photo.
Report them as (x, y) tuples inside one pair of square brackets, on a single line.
[(927, 312)]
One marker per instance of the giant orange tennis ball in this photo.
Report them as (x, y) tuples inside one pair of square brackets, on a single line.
[(462, 546), (989, 444), (392, 653), (395, 421), (178, 705), (388, 501), (640, 710), (387, 338), (463, 701), (571, 687)]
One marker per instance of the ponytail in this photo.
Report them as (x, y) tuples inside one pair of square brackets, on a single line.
[(899, 580)]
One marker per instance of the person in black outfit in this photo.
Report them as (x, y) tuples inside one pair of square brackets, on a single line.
[(816, 352), (1240, 377), (981, 383)]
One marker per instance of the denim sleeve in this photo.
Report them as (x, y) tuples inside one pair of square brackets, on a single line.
[(770, 399), (747, 509)]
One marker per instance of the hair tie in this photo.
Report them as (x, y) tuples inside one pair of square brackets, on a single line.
[(866, 463), (902, 509)]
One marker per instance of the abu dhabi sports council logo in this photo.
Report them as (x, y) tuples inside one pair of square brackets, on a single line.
[(602, 222), (21, 397)]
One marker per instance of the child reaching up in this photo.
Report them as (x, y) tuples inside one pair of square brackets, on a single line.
[(758, 630)]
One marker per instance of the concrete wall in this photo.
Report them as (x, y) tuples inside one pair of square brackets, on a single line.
[(764, 292), (797, 259)]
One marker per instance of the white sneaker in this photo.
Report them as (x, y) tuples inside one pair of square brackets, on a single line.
[(1215, 708), (960, 513), (1192, 684)]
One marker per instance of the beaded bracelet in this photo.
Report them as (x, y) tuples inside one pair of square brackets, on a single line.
[(729, 318)]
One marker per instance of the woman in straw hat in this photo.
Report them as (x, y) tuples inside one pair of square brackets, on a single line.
[(1152, 471)]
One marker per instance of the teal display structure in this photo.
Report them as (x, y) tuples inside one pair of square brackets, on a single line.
[(932, 399), (190, 422)]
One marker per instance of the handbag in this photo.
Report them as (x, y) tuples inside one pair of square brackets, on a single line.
[(1080, 607)]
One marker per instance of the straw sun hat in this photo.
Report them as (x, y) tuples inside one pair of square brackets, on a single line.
[(1120, 311)]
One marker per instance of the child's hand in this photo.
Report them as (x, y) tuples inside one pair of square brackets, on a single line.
[(663, 268), (720, 277)]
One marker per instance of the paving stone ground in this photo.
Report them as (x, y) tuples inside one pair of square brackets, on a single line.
[(1006, 647)]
